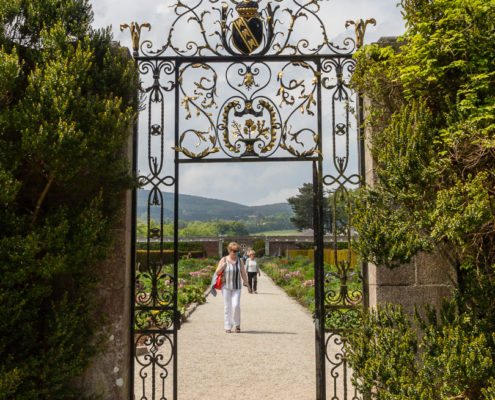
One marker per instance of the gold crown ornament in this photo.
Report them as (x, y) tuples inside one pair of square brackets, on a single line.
[(247, 9)]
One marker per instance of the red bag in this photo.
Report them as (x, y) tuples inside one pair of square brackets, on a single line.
[(218, 284)]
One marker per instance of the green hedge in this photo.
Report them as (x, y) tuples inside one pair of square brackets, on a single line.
[(167, 256), (259, 248), (68, 98), (68, 101), (328, 245), (183, 246)]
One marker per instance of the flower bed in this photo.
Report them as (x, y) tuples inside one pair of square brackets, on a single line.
[(193, 279), (296, 277)]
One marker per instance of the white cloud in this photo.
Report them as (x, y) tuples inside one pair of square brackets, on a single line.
[(276, 197), (247, 183)]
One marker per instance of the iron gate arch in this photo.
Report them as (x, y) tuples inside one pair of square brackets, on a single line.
[(239, 121)]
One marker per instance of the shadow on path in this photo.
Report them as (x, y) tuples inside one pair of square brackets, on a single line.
[(266, 333), (275, 353)]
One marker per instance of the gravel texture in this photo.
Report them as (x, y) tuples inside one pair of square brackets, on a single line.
[(272, 358)]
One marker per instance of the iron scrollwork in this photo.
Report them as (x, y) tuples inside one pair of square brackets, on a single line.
[(343, 294), (243, 29), (360, 28), (198, 103), (248, 123), (135, 29), (250, 86), (155, 315)]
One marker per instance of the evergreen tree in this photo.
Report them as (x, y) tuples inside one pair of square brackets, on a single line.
[(335, 208), (67, 100), (302, 206)]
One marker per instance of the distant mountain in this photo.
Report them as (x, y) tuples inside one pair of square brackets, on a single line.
[(196, 208)]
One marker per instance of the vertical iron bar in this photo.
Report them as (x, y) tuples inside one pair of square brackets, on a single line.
[(319, 287), (176, 228), (362, 183), (318, 369), (133, 249), (319, 232)]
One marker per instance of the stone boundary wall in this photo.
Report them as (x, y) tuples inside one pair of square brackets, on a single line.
[(273, 244), (428, 278)]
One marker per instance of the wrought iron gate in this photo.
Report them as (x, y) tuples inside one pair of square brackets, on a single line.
[(249, 88)]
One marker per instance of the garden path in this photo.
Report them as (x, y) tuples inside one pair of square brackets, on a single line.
[(272, 358)]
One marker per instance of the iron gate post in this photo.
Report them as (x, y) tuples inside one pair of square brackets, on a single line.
[(176, 228), (319, 283), (135, 132), (362, 173)]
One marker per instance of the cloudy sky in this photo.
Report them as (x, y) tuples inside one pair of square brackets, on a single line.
[(246, 183)]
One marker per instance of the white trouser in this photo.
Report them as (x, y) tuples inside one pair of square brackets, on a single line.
[(231, 299)]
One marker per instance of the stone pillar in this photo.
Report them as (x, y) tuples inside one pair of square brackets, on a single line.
[(210, 248), (220, 247), (426, 279), (267, 247), (108, 376)]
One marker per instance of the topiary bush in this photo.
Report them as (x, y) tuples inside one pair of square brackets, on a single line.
[(67, 101), (164, 257), (259, 248), (183, 246)]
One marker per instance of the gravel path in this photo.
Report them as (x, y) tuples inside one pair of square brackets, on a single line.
[(272, 358)]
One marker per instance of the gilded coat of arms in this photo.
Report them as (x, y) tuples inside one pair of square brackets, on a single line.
[(247, 30)]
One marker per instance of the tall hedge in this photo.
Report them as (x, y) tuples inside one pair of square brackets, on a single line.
[(433, 132), (67, 100)]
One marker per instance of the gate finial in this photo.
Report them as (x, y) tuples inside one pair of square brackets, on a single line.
[(135, 29), (360, 27)]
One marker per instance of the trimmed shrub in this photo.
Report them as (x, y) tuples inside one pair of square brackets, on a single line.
[(165, 257), (183, 246), (450, 360), (259, 248), (67, 101), (328, 255)]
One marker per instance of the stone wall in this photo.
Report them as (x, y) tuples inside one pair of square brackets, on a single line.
[(210, 248), (427, 279), (273, 244), (108, 376)]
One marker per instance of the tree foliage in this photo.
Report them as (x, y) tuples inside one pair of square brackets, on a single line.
[(196, 228), (67, 99), (302, 206), (432, 121), (259, 224), (336, 206)]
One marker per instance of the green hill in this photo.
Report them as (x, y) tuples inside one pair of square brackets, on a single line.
[(196, 208)]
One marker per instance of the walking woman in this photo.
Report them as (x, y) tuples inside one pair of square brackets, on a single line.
[(232, 267), (252, 269)]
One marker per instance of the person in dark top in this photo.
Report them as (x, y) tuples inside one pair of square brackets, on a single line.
[(252, 270)]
